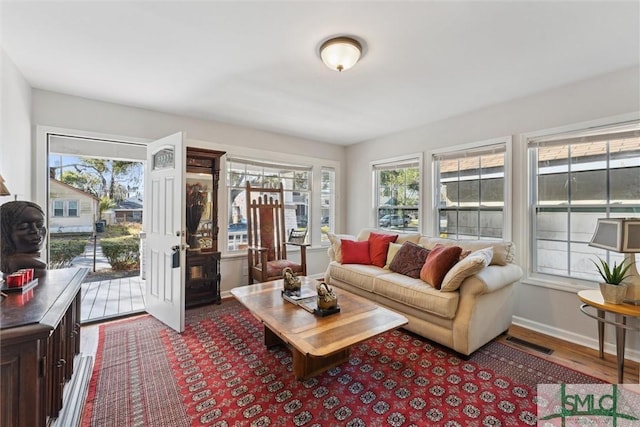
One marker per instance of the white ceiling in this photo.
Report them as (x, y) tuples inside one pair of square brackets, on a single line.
[(256, 63)]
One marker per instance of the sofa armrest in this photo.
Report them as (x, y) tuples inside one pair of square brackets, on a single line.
[(490, 279), (331, 253)]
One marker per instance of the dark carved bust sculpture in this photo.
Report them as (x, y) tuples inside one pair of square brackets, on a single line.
[(23, 234)]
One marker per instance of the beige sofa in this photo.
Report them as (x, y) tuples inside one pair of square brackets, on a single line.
[(464, 319)]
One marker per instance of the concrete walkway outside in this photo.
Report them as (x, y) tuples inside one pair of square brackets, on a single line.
[(86, 259)]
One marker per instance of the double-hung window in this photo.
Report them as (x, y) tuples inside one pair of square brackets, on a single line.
[(470, 191), (576, 178), (397, 193), (69, 208), (296, 182)]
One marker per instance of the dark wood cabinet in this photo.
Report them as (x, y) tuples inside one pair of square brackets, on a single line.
[(40, 338), (202, 273), (203, 278)]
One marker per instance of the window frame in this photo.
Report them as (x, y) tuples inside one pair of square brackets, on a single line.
[(475, 148), (267, 171), (324, 238), (400, 162), (65, 208), (528, 185), (314, 233)]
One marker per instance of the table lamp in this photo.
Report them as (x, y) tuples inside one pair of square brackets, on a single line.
[(4, 191), (621, 235)]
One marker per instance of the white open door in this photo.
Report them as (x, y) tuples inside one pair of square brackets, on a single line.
[(164, 200)]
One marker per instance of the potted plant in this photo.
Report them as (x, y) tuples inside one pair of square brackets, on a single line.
[(613, 290)]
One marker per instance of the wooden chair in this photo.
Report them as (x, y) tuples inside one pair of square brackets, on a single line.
[(267, 246)]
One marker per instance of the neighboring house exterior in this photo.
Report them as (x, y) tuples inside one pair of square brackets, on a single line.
[(129, 210), (71, 210)]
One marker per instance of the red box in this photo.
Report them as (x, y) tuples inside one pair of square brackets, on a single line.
[(16, 280)]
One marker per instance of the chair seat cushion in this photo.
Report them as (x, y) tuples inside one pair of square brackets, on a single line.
[(274, 268)]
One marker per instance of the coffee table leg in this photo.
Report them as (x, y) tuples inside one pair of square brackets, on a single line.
[(271, 339), (307, 366)]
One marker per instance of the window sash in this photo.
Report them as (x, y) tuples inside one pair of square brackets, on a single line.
[(297, 189), (405, 213), (475, 217), (580, 187)]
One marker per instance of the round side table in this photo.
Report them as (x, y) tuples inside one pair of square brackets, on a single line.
[(592, 298)]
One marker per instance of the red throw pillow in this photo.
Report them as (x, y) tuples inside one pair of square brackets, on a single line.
[(438, 263), (379, 246), (354, 252)]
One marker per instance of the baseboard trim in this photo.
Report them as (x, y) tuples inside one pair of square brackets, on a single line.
[(572, 337), (75, 393)]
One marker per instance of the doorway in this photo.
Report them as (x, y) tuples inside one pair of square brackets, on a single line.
[(95, 211)]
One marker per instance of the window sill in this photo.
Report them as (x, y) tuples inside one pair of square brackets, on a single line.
[(243, 253), (558, 283)]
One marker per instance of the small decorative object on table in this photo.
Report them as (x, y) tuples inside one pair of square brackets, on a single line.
[(20, 281), (22, 237), (613, 290), (327, 300), (291, 283)]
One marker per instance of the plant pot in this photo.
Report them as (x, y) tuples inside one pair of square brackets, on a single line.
[(613, 294)]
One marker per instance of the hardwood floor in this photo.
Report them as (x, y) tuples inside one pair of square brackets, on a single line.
[(574, 356)]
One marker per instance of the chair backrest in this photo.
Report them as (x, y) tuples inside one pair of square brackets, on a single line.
[(297, 236), (265, 220)]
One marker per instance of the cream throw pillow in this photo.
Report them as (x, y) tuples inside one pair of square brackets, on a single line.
[(391, 252), (336, 244), (468, 266)]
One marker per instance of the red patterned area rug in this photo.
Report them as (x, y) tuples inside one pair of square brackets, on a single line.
[(219, 373)]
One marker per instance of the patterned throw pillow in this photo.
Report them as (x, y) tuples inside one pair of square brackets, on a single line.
[(438, 263), (469, 266), (409, 260), (378, 247), (355, 252)]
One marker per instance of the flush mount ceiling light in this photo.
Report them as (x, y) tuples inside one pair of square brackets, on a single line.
[(340, 53)]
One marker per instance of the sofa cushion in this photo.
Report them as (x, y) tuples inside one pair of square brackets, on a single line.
[(355, 252), (336, 243), (438, 263), (379, 246), (413, 293), (503, 252), (409, 260), (391, 253), (358, 275), (470, 265)]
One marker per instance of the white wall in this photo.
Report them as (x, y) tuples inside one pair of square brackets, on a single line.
[(15, 130), (60, 111), (543, 308)]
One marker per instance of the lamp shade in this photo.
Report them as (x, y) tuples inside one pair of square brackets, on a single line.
[(340, 53), (4, 191), (617, 234)]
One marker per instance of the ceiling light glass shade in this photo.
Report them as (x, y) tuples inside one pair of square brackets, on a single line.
[(340, 53)]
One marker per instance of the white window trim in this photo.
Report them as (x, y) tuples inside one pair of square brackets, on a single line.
[(432, 212), (524, 254), (373, 220), (316, 164)]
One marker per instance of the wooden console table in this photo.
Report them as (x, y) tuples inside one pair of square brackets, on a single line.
[(40, 338)]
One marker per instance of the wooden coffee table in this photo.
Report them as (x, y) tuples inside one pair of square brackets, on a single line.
[(317, 343)]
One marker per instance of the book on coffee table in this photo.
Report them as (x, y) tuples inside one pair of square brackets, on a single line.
[(304, 295)]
